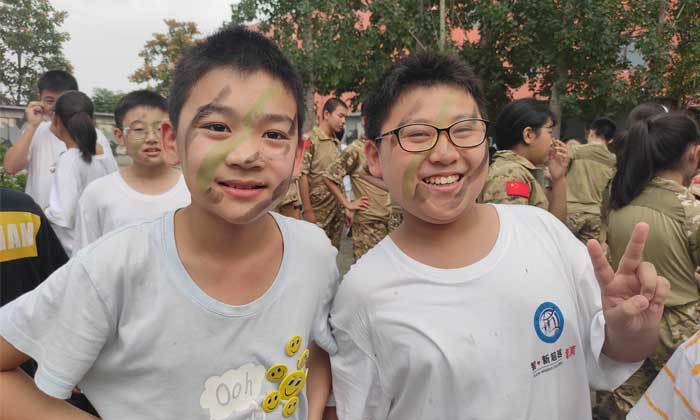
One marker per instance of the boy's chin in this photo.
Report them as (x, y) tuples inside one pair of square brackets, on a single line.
[(439, 215)]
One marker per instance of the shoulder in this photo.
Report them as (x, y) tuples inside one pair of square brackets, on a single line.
[(306, 236), (120, 246), (103, 185), (12, 200), (373, 271), (533, 220)]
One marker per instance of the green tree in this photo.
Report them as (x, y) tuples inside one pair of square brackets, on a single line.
[(666, 33), (161, 53), (30, 43), (568, 50), (343, 46), (105, 100)]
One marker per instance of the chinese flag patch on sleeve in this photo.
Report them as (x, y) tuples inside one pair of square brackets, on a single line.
[(307, 143), (517, 189)]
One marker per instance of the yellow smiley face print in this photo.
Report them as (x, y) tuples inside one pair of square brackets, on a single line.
[(270, 401), (301, 363), (292, 385), (276, 373), (293, 345), (290, 407)]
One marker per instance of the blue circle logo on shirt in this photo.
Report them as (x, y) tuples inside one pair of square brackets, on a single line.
[(549, 322)]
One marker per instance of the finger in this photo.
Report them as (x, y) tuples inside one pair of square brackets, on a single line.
[(621, 315), (635, 248), (603, 272), (646, 273), (663, 288)]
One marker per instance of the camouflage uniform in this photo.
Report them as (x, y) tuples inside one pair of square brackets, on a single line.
[(511, 181), (396, 217), (292, 200), (591, 168), (372, 225), (317, 157), (673, 246)]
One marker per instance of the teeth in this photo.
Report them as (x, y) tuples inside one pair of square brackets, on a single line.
[(441, 180)]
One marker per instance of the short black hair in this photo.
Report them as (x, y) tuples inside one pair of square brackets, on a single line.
[(240, 49), (57, 81), (604, 127), (425, 68), (131, 100), (331, 105), (516, 117)]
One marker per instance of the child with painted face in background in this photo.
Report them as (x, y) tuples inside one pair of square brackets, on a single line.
[(142, 191), (473, 311), (83, 162), (208, 312)]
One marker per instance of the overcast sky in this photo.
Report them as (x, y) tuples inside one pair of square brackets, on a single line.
[(107, 35)]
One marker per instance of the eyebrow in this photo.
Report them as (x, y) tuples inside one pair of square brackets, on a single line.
[(212, 108), (408, 120)]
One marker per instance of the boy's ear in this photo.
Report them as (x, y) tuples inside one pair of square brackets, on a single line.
[(528, 135), (168, 141), (372, 154), (299, 158), (118, 135)]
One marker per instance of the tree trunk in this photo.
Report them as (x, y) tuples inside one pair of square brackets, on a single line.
[(18, 98), (310, 89), (442, 25), (559, 91)]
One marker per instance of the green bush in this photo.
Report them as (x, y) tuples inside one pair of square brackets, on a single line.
[(13, 182)]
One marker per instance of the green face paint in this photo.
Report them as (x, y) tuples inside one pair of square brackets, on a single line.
[(409, 188), (218, 153)]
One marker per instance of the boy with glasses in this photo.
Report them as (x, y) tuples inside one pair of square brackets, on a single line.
[(143, 191), (472, 311)]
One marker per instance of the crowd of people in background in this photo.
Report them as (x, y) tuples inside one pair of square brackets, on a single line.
[(211, 236)]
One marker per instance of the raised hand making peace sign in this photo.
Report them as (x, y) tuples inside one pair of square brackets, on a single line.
[(633, 299)]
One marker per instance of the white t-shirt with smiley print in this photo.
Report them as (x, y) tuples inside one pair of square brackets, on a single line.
[(516, 335), (124, 321)]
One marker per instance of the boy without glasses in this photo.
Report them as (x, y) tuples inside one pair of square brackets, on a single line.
[(207, 313)]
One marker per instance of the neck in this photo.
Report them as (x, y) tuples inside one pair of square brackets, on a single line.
[(148, 172), (64, 137), (326, 129), (200, 233), (672, 175), (597, 140), (521, 149)]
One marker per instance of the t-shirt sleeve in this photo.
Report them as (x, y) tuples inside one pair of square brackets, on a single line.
[(675, 393), (321, 330), (62, 324), (87, 222), (603, 373), (308, 157), (344, 164), (356, 377), (506, 190), (64, 194)]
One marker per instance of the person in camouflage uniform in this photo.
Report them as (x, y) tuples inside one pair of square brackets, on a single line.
[(320, 206), (524, 137), (290, 205), (673, 244), (591, 166), (370, 212)]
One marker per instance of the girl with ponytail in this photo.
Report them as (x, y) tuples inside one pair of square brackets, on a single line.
[(84, 161), (651, 185)]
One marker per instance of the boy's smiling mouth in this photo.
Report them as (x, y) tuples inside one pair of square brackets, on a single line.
[(241, 188), (442, 179)]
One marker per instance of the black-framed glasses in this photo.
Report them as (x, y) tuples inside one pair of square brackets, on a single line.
[(464, 134)]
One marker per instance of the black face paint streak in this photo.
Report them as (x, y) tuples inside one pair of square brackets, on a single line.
[(277, 194), (204, 111)]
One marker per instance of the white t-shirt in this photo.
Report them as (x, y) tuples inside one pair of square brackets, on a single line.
[(109, 203), (124, 321), (71, 177), (675, 393), (516, 335), (44, 151)]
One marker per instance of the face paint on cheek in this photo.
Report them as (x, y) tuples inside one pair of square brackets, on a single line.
[(277, 194), (410, 181), (216, 156)]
